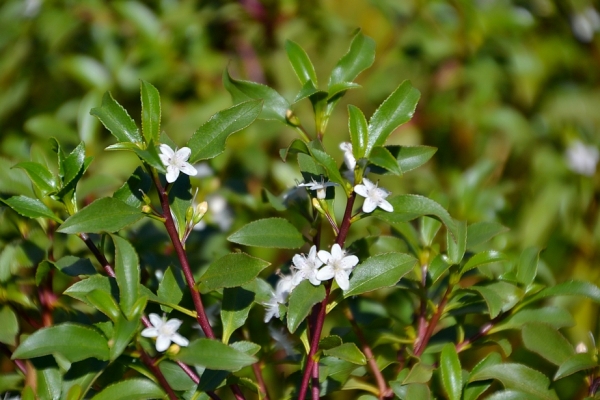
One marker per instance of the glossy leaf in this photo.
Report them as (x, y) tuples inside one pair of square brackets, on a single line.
[(437, 267), (72, 164), (246, 346), (209, 140), (547, 342), (274, 107), (214, 355), (232, 270), (79, 290), (269, 232), (237, 302), (457, 245), (49, 379), (357, 125), (177, 378), (303, 297), (382, 157), (131, 389), (485, 257), (127, 270), (116, 119), (30, 208), (481, 232), (511, 395), (309, 90), (556, 317), (475, 389), (411, 157), (104, 303), (41, 176), (337, 90), (151, 112), (9, 324), (451, 372), (569, 288), (131, 192), (103, 215), (575, 363), (359, 57), (527, 267), (301, 64), (379, 271), (419, 373), (169, 289), (124, 330), (517, 377), (499, 296), (397, 109), (330, 165), (74, 266), (348, 352), (73, 341), (150, 156)]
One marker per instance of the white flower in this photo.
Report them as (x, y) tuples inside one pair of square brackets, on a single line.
[(282, 341), (165, 332), (307, 267), (176, 161), (374, 196), (320, 187), (581, 348), (585, 24), (337, 265), (349, 159), (284, 287), (582, 159)]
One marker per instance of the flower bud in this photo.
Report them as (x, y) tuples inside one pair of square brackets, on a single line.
[(146, 209), (201, 209), (189, 214), (291, 118)]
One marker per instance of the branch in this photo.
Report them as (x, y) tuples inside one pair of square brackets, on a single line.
[(421, 342), (149, 362), (481, 333)]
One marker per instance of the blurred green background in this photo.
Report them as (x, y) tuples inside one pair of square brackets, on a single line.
[(510, 96)]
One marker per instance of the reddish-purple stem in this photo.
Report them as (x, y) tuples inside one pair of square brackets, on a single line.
[(149, 362), (422, 341)]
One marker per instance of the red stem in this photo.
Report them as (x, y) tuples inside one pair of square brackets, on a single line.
[(422, 341), (149, 362)]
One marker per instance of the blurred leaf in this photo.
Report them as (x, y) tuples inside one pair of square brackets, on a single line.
[(517, 377), (74, 341), (457, 245), (499, 296), (131, 389), (381, 157), (31, 208), (151, 112), (547, 342), (10, 326), (397, 109), (300, 61), (116, 119), (481, 232), (177, 378), (41, 177), (556, 317), (214, 355), (169, 290), (131, 193), (269, 232), (43, 125), (302, 299), (485, 257), (274, 106), (103, 215), (411, 391), (232, 270), (357, 125), (359, 57), (275, 202), (237, 302), (569, 288), (247, 347), (575, 363), (451, 372), (511, 395), (127, 270), (348, 352), (87, 70), (379, 271), (297, 146), (527, 268), (74, 266), (209, 140), (419, 373)]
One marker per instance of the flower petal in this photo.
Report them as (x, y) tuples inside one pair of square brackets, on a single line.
[(172, 173), (180, 340), (156, 320), (165, 158), (188, 169), (342, 280), (324, 256), (167, 150), (348, 262), (325, 273), (336, 252), (370, 185), (162, 343), (361, 190), (369, 205), (150, 332), (183, 153), (386, 206), (173, 324), (299, 261)]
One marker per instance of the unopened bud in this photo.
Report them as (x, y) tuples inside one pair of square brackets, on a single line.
[(581, 348), (173, 349), (147, 209), (189, 214), (317, 205), (291, 118), (201, 209)]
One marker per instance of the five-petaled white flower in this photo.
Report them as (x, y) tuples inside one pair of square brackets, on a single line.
[(374, 196), (320, 187), (176, 161), (349, 159), (165, 332), (337, 265), (306, 267)]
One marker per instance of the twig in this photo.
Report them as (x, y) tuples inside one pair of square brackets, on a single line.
[(149, 362), (482, 332), (99, 256), (421, 342), (19, 363)]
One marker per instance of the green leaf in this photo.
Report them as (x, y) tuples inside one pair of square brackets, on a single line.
[(457, 245), (357, 125), (104, 303), (131, 193), (575, 363), (569, 288), (382, 270), (511, 395), (247, 347), (517, 377), (232, 270), (74, 266), (73, 341), (41, 176), (79, 290), (103, 215), (556, 317), (411, 157), (419, 373), (409, 206), (499, 296), (127, 270), (237, 302), (437, 267), (115, 118), (72, 165), (485, 257), (451, 372), (547, 342), (30, 208), (150, 156), (397, 109), (481, 232), (333, 172), (214, 355), (177, 378), (10, 326), (274, 107), (337, 90), (473, 390), (169, 289), (124, 330), (151, 112), (209, 140), (131, 389), (180, 199), (303, 297), (309, 90), (382, 157), (527, 268), (301, 64), (411, 391), (269, 232), (348, 352), (297, 146), (49, 379), (359, 57)]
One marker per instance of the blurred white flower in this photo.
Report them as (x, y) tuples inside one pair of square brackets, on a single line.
[(284, 287), (337, 265), (581, 348), (165, 332), (320, 187), (218, 213), (176, 161), (203, 170), (306, 267), (282, 341), (349, 159), (374, 196), (585, 24), (582, 159)]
